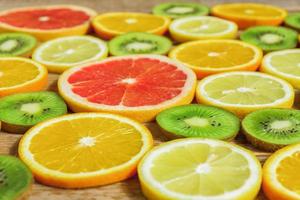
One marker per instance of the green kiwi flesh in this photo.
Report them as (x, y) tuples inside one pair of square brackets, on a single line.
[(270, 38), (139, 43), (177, 10), (19, 112), (15, 178), (198, 121), (293, 21), (272, 129), (16, 44)]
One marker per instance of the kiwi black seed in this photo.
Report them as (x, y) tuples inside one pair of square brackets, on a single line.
[(270, 38), (177, 10), (293, 21), (15, 178), (273, 128), (19, 112), (16, 44), (196, 120), (139, 43)]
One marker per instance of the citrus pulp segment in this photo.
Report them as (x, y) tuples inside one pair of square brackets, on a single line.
[(21, 75), (244, 92), (208, 57), (138, 86), (283, 64), (201, 28), (47, 22), (65, 52), (84, 149), (199, 169), (109, 25)]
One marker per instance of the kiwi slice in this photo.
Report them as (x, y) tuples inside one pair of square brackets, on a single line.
[(15, 178), (139, 43), (198, 121), (272, 129), (19, 112), (293, 21), (16, 44), (270, 38), (177, 10)]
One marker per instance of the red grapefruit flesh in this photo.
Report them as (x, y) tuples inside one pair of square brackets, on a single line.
[(128, 85)]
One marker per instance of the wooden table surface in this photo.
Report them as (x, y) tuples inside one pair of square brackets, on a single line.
[(128, 189)]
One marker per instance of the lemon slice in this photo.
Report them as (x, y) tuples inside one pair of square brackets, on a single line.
[(63, 53), (284, 64), (202, 27), (244, 92), (200, 169)]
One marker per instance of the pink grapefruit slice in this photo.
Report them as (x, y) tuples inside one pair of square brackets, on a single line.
[(137, 86), (47, 22)]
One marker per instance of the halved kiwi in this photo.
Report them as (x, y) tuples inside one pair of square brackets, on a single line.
[(19, 112), (177, 10), (139, 43), (293, 21), (16, 44), (196, 120), (15, 178), (273, 128), (271, 38)]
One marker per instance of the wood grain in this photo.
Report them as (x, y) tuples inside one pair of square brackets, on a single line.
[(128, 189)]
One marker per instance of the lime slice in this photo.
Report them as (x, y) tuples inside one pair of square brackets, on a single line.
[(63, 53), (201, 169), (284, 64), (202, 27)]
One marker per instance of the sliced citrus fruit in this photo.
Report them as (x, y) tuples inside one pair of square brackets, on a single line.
[(284, 64), (281, 179), (244, 92), (21, 75), (202, 27), (109, 25), (138, 86), (250, 14), (47, 22), (214, 56), (201, 169), (62, 53), (84, 150)]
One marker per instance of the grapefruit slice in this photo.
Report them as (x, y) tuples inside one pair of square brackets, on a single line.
[(47, 22), (137, 86)]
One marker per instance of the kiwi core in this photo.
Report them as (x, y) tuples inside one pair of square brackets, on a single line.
[(139, 46), (281, 124), (9, 45), (197, 121), (180, 10), (271, 38), (31, 108)]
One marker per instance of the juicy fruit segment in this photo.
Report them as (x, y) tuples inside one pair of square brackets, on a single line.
[(177, 10), (199, 168), (16, 44), (212, 56), (100, 149), (293, 21), (198, 121), (21, 111), (202, 27), (63, 53), (284, 64), (244, 92), (272, 129), (15, 178), (250, 14), (109, 25), (271, 38), (281, 180), (139, 43)]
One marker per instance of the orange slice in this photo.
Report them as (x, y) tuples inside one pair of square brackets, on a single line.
[(214, 56), (84, 150), (109, 25), (281, 178), (250, 14), (21, 75)]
